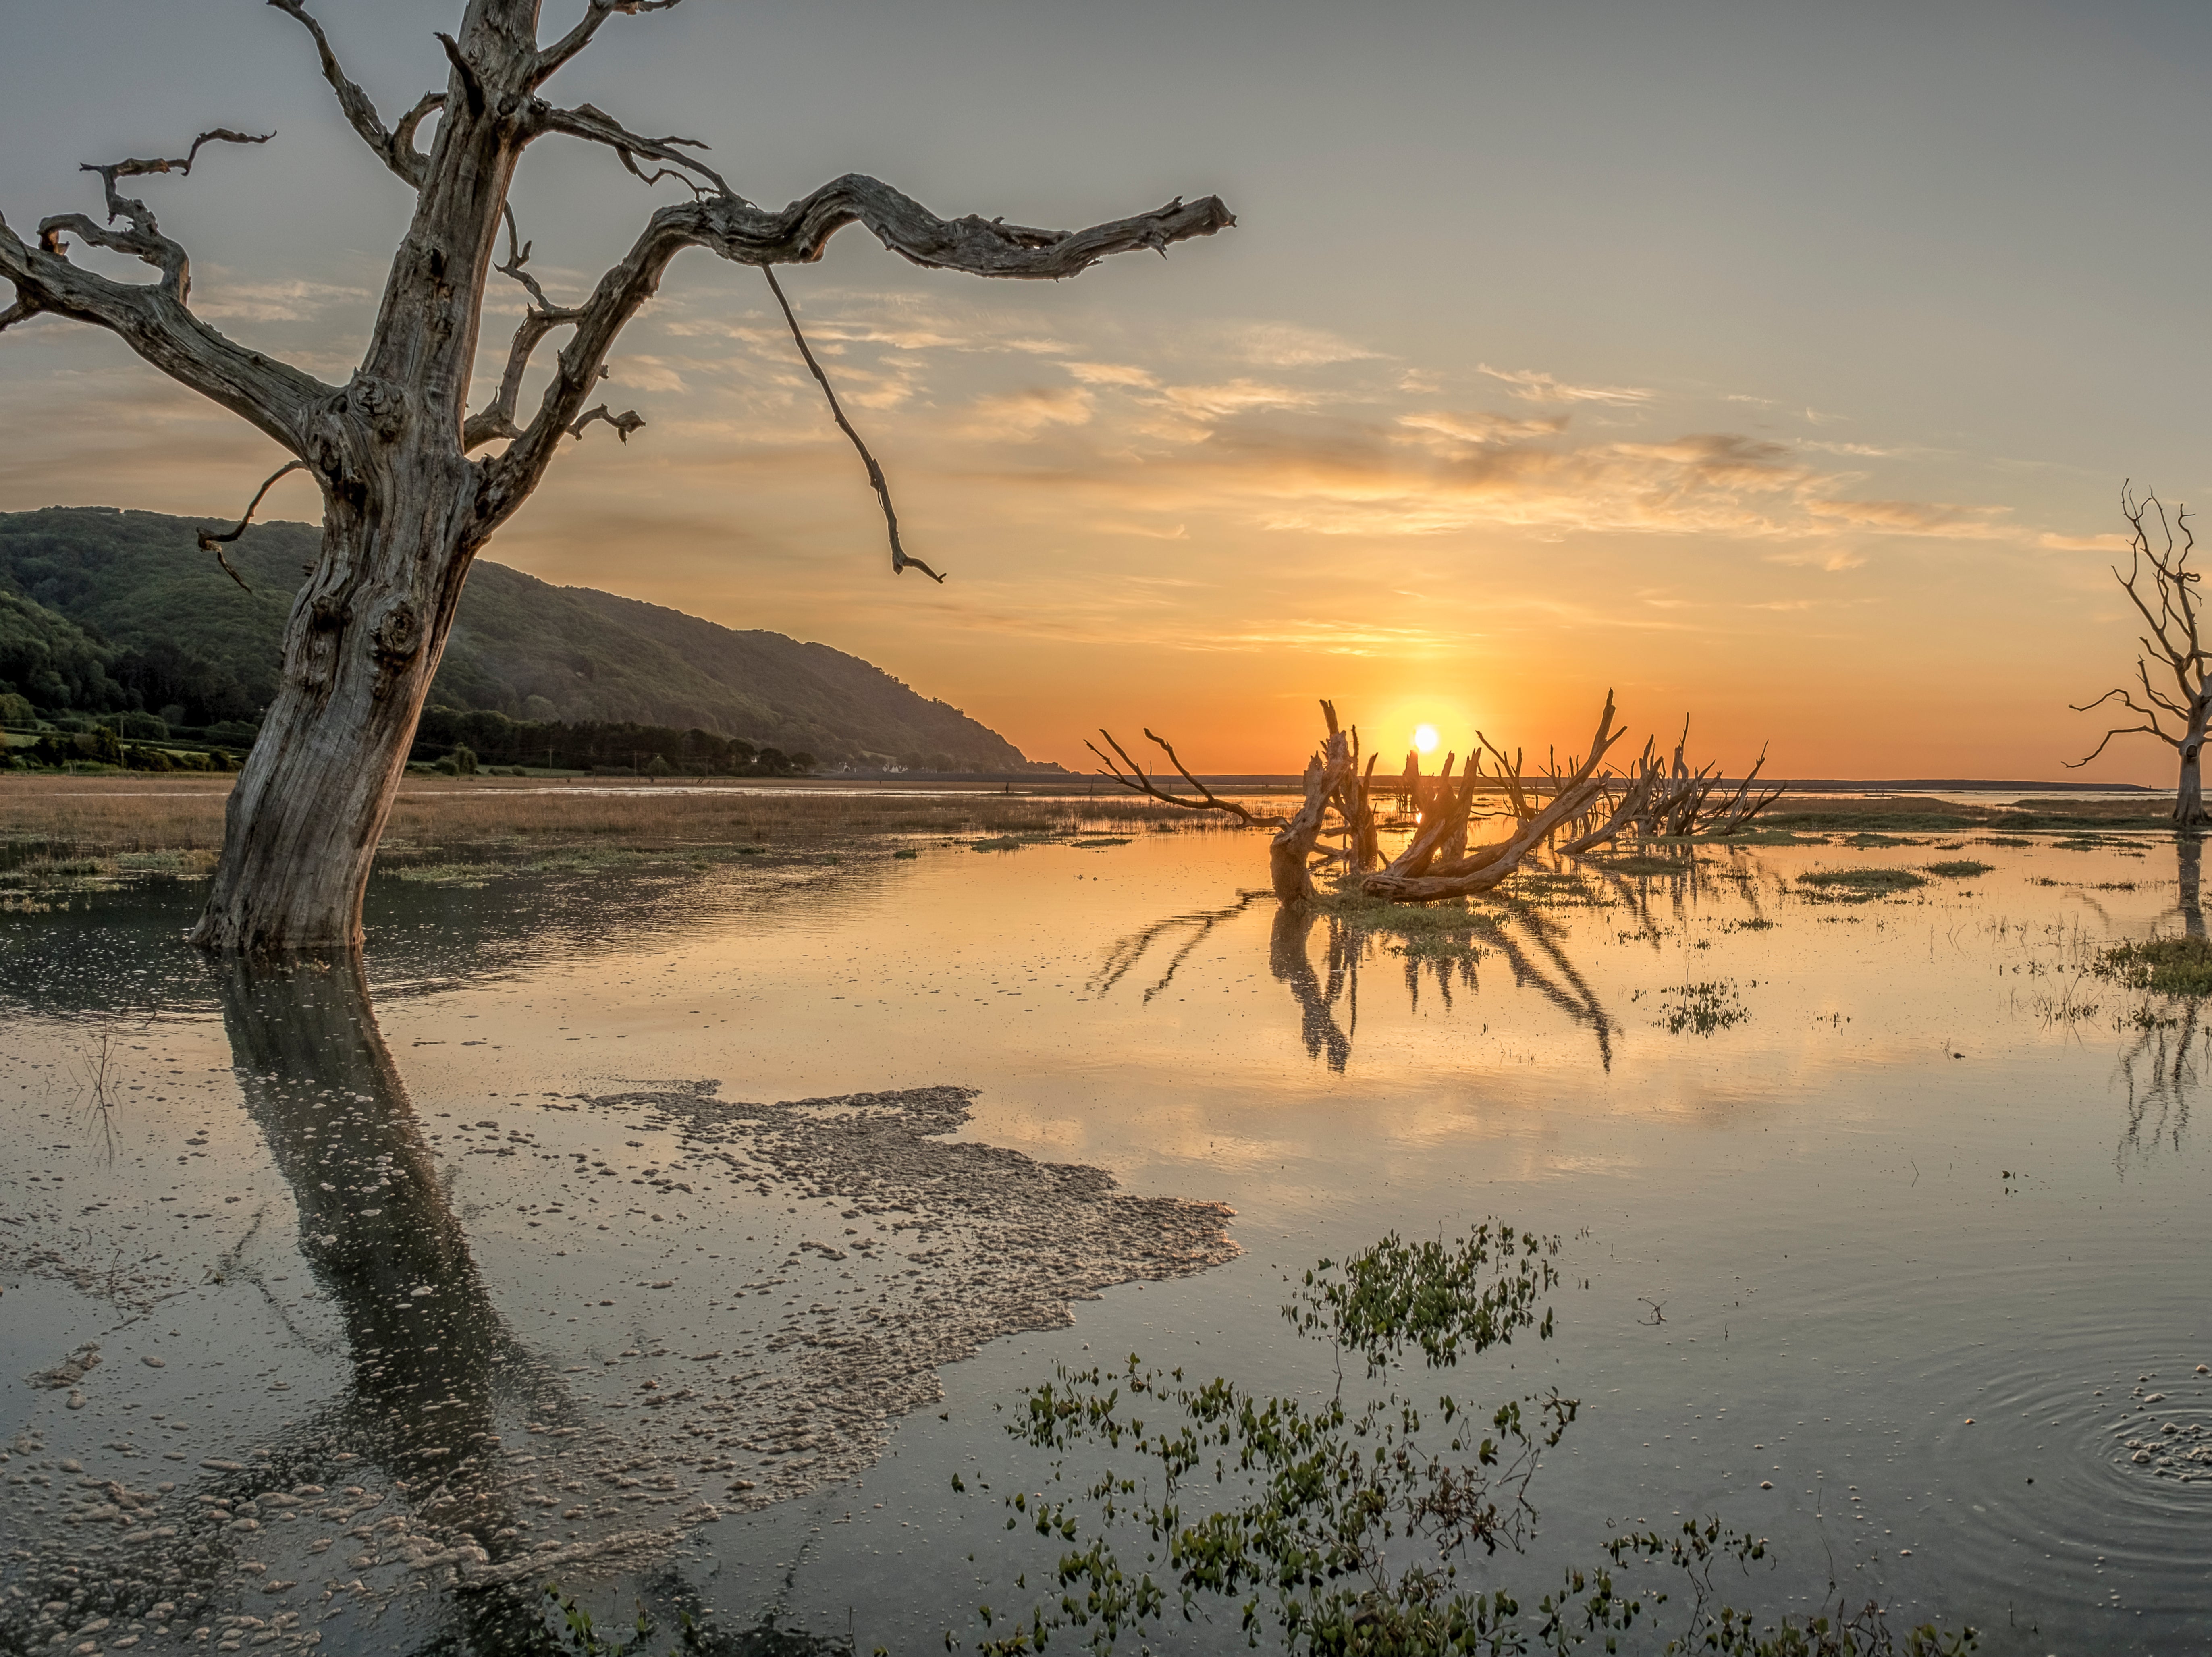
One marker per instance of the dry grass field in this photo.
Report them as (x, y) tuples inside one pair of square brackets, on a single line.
[(118, 815), (104, 815)]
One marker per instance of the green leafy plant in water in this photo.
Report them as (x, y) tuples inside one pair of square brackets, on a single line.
[(1343, 1528), (1479, 1291), (574, 1627), (1960, 868), (2165, 966)]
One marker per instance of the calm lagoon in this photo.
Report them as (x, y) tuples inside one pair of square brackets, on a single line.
[(679, 1231)]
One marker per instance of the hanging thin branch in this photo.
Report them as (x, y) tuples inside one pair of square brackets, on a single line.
[(210, 541), (899, 558)]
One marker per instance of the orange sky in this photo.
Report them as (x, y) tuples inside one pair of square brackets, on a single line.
[(1795, 402)]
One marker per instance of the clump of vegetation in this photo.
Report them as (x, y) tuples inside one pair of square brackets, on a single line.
[(1360, 1526), (1643, 863), (1960, 868), (2165, 966), (2003, 839), (1856, 886), (1702, 1008)]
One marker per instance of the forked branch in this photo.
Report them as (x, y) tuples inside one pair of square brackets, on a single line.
[(211, 542), (1136, 780), (595, 14), (394, 147)]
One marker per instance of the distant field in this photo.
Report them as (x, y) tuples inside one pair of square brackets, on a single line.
[(97, 815), (118, 814)]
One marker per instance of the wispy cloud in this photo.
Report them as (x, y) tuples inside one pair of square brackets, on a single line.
[(1285, 345), (219, 300), (1021, 416), (1537, 386)]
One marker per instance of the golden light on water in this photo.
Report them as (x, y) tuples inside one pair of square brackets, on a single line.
[(1425, 738)]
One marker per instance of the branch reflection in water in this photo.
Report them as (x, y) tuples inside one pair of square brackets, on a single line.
[(1441, 943)]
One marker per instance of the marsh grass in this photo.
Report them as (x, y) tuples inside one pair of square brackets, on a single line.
[(1644, 863), (2164, 966), (1702, 1009), (1960, 868), (437, 821), (1856, 886)]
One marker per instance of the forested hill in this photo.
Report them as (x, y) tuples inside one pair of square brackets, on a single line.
[(104, 610)]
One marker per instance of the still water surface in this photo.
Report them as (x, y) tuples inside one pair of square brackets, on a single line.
[(516, 1261)]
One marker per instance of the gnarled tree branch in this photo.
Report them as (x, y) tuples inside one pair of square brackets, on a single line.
[(152, 318), (395, 148), (745, 234), (595, 14)]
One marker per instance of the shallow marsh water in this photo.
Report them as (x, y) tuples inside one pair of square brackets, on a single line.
[(1834, 1177)]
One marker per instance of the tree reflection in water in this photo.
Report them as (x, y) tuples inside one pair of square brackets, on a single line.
[(434, 1367), (1442, 944)]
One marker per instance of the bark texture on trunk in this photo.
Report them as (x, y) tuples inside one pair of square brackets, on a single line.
[(1288, 853), (405, 509), (2189, 790), (361, 648)]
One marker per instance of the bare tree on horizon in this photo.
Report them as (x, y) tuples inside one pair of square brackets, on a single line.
[(407, 504), (2175, 639)]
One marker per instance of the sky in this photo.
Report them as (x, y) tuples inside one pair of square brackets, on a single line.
[(1775, 367)]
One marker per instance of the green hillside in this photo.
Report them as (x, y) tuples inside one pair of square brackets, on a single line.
[(103, 610)]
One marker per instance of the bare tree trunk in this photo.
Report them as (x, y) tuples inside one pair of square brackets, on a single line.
[(361, 648), (1288, 852), (2189, 792)]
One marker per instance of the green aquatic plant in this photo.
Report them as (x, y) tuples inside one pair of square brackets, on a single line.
[(2164, 966), (1960, 868), (1364, 1525)]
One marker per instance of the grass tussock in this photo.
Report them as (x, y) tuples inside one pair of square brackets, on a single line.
[(1857, 885), (1960, 868), (1644, 863), (2164, 966), (1701, 1008)]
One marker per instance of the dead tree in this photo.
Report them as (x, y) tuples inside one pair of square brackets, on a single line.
[(1416, 875), (408, 501), (2169, 610)]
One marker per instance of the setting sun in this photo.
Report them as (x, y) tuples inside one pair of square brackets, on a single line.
[(1425, 738)]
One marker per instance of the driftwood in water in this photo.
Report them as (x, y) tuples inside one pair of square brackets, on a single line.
[(1670, 798), (1418, 876), (1207, 800)]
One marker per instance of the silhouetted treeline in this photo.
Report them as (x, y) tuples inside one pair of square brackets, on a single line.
[(591, 745)]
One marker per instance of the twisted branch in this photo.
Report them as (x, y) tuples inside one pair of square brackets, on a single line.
[(596, 13), (738, 231), (395, 148)]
